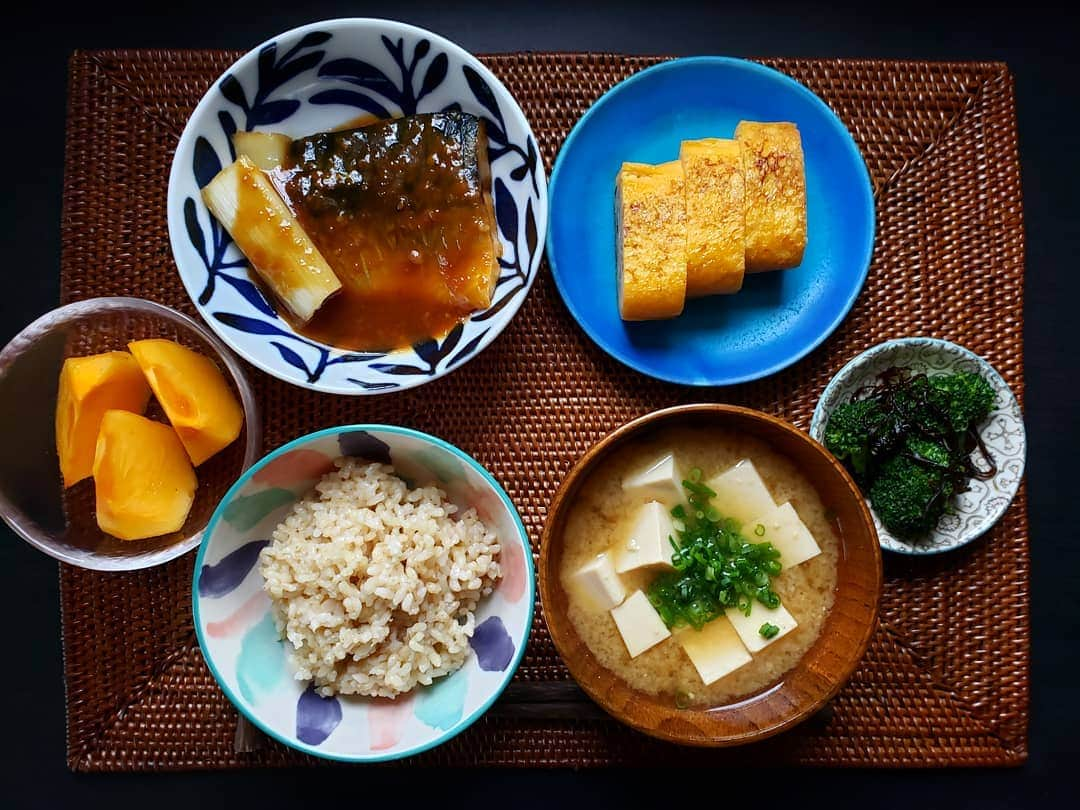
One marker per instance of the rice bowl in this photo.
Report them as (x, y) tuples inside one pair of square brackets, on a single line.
[(373, 585)]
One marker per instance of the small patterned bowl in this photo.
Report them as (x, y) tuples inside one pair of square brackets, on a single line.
[(1003, 433), (319, 77), (240, 642)]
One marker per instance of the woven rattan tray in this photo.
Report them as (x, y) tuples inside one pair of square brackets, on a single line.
[(937, 687)]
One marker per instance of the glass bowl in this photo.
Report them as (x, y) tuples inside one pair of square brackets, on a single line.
[(33, 501)]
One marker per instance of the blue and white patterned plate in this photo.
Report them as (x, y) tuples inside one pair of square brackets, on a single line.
[(976, 510), (316, 78)]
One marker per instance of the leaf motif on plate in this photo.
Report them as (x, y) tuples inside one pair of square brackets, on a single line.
[(290, 70), (495, 133), (401, 369), (396, 49), (253, 326), (453, 337), (194, 230), (530, 153), (228, 126), (314, 38), (530, 227), (351, 98), (251, 294), (506, 213), (291, 357), (428, 351), (362, 74), (498, 306), (483, 94), (372, 386), (267, 60), (205, 162), (231, 89), (272, 112), (355, 357), (466, 350), (436, 73)]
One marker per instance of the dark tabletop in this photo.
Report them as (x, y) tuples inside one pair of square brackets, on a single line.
[(1040, 46)]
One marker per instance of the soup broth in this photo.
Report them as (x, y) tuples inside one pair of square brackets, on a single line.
[(601, 517)]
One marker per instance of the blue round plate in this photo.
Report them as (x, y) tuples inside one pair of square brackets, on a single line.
[(778, 317)]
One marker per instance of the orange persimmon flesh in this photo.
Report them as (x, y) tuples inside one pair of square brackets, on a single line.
[(90, 386), (143, 480), (194, 395)]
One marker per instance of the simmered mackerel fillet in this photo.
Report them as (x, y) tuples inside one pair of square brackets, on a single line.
[(401, 211)]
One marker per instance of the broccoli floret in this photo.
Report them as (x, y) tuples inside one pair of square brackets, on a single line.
[(965, 398), (929, 452), (853, 431), (912, 488)]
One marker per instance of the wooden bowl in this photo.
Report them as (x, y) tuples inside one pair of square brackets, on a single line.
[(821, 672)]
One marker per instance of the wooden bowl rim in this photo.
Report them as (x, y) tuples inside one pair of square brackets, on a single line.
[(559, 633)]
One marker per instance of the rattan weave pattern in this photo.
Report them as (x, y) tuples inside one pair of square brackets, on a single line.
[(936, 688)]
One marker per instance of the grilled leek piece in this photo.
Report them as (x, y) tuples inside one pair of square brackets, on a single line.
[(263, 227), (267, 150)]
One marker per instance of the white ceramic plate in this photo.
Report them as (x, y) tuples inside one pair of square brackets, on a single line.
[(1003, 433), (316, 78)]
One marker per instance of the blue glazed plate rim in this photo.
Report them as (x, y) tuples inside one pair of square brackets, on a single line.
[(405, 382), (208, 533), (844, 136), (854, 366)]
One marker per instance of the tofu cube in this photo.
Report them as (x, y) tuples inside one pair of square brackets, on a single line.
[(648, 543), (660, 481), (639, 624), (597, 582), (740, 493), (785, 530), (715, 649), (749, 627)]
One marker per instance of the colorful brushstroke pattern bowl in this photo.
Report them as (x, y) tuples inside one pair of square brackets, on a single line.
[(320, 77), (975, 511), (240, 642)]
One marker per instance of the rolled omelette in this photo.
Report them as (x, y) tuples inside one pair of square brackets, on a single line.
[(651, 241), (713, 175), (775, 195)]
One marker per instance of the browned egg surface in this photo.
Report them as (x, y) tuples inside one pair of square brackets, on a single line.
[(400, 211), (601, 516)]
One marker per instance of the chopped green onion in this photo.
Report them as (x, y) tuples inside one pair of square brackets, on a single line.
[(715, 566), (759, 530), (768, 630)]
